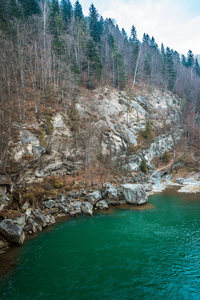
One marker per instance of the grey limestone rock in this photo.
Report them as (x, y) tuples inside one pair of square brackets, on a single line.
[(94, 197), (102, 204), (12, 232), (74, 208), (110, 194), (31, 226), (50, 203), (87, 208), (134, 193), (39, 218), (63, 208)]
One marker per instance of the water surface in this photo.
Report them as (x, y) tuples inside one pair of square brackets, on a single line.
[(127, 254)]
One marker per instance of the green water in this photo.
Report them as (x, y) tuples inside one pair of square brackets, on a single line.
[(127, 254)]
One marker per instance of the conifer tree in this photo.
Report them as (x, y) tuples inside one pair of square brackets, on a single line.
[(190, 59), (66, 7), (94, 63), (14, 11), (197, 67), (94, 24), (3, 21), (133, 37), (55, 22), (29, 7), (170, 72), (183, 60), (147, 65), (78, 12), (124, 34)]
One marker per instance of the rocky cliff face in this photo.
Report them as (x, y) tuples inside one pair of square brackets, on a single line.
[(111, 122)]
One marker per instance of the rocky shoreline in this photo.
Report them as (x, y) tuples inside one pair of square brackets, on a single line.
[(32, 220)]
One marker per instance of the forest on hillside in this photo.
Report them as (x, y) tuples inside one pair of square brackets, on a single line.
[(49, 49)]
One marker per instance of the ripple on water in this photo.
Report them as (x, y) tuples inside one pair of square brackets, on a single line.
[(126, 254)]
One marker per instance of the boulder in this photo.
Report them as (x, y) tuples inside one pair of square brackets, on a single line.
[(60, 198), (102, 204), (74, 208), (73, 194), (87, 208), (12, 232), (94, 197), (134, 193), (50, 220), (50, 203), (110, 194), (63, 208), (31, 226), (39, 218)]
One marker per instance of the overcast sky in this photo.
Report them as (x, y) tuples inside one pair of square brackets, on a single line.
[(176, 23)]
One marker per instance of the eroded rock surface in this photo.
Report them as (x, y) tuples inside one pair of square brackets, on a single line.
[(134, 193), (12, 232)]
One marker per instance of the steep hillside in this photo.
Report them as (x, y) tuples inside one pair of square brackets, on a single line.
[(104, 123)]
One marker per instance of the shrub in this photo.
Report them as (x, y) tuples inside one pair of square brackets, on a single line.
[(166, 157), (143, 166)]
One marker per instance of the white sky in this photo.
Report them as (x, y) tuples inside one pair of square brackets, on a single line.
[(176, 23)]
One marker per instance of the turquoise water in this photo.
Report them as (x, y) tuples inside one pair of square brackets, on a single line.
[(126, 254)]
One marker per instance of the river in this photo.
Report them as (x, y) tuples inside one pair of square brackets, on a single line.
[(150, 253)]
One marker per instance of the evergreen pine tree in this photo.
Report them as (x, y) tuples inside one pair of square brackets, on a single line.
[(124, 34), (146, 40), (190, 59), (55, 22), (14, 10), (66, 7), (147, 65), (197, 67), (153, 44), (183, 60), (94, 24), (78, 12), (29, 7), (163, 57), (94, 63), (170, 72), (134, 44), (133, 37), (3, 21)]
